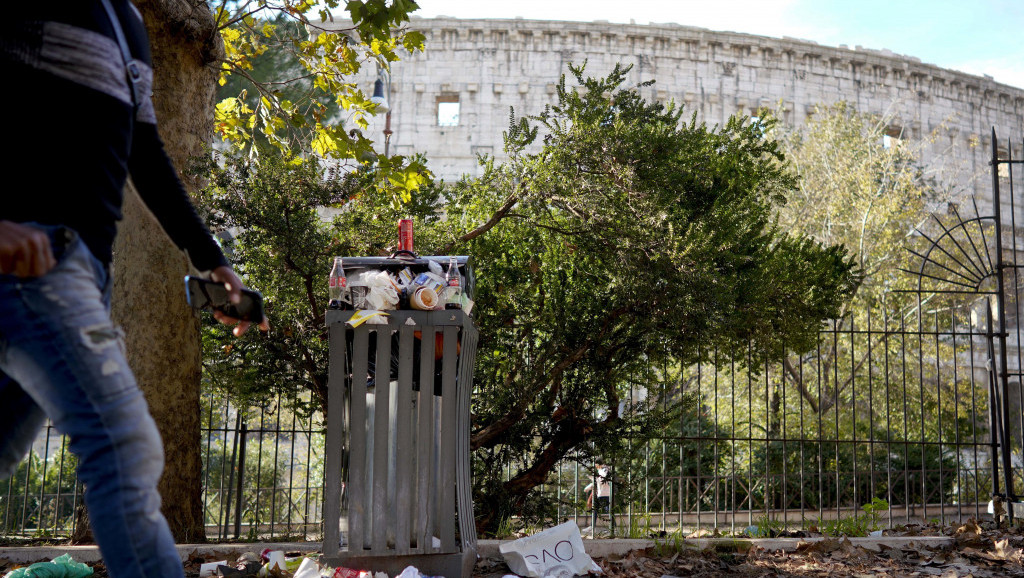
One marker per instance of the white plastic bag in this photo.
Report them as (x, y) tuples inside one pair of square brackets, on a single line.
[(381, 292), (559, 550), (409, 572)]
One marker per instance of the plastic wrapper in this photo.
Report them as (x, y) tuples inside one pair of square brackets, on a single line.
[(63, 566), (370, 317), (431, 281), (435, 268), (413, 572), (342, 572), (405, 277)]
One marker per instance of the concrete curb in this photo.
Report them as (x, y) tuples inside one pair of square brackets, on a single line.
[(599, 548), (874, 544)]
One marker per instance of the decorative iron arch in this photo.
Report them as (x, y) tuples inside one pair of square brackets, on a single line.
[(960, 259)]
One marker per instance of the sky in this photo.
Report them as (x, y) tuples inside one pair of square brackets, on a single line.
[(974, 36)]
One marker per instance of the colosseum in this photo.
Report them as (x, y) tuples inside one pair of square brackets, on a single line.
[(452, 101)]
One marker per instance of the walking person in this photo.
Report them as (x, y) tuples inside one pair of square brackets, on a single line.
[(80, 118), (599, 494)]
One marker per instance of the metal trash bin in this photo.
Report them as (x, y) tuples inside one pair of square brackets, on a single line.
[(397, 464)]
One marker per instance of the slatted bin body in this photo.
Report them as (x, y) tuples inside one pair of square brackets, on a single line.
[(397, 459)]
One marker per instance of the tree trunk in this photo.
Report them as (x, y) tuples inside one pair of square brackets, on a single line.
[(161, 332)]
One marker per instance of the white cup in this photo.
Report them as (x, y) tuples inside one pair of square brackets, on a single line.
[(275, 557), (359, 293), (424, 299)]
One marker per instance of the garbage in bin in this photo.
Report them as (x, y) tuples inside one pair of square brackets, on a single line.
[(401, 282), (420, 283)]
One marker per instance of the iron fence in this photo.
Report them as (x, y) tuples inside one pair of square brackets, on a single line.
[(896, 414), (879, 410), (262, 477), (262, 470), (40, 498)]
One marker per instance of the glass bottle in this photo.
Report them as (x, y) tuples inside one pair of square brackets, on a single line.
[(453, 294), (338, 292)]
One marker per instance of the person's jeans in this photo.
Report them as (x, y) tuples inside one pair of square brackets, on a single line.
[(61, 357), (600, 505)]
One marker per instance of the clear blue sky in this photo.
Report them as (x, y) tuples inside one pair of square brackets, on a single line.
[(974, 36)]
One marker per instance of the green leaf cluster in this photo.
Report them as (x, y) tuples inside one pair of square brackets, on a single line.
[(287, 81), (616, 237), (862, 189)]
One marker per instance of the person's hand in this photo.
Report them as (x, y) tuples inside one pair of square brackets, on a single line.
[(234, 285), (24, 251)]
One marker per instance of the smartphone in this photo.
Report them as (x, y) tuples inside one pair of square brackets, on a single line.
[(203, 294)]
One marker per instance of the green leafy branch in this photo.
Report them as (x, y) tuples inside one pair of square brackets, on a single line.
[(292, 80)]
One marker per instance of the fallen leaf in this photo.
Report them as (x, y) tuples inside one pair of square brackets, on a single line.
[(970, 534), (826, 546)]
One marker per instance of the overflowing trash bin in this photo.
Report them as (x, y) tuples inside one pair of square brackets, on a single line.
[(397, 463)]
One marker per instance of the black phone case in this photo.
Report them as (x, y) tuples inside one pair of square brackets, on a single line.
[(203, 294)]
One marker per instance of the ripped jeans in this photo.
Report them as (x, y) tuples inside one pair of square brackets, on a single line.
[(61, 357)]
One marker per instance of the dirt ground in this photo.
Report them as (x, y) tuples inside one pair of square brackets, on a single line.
[(977, 551)]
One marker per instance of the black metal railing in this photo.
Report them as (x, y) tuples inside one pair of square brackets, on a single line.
[(898, 413)]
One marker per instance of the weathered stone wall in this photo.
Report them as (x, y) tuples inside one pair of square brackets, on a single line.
[(492, 65)]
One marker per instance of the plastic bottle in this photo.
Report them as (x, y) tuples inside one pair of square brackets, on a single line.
[(339, 293), (453, 295)]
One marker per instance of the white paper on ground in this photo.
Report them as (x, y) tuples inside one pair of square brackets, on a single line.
[(553, 549), (210, 568), (276, 558), (308, 569)]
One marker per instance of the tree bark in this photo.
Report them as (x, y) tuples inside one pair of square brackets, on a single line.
[(161, 332)]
